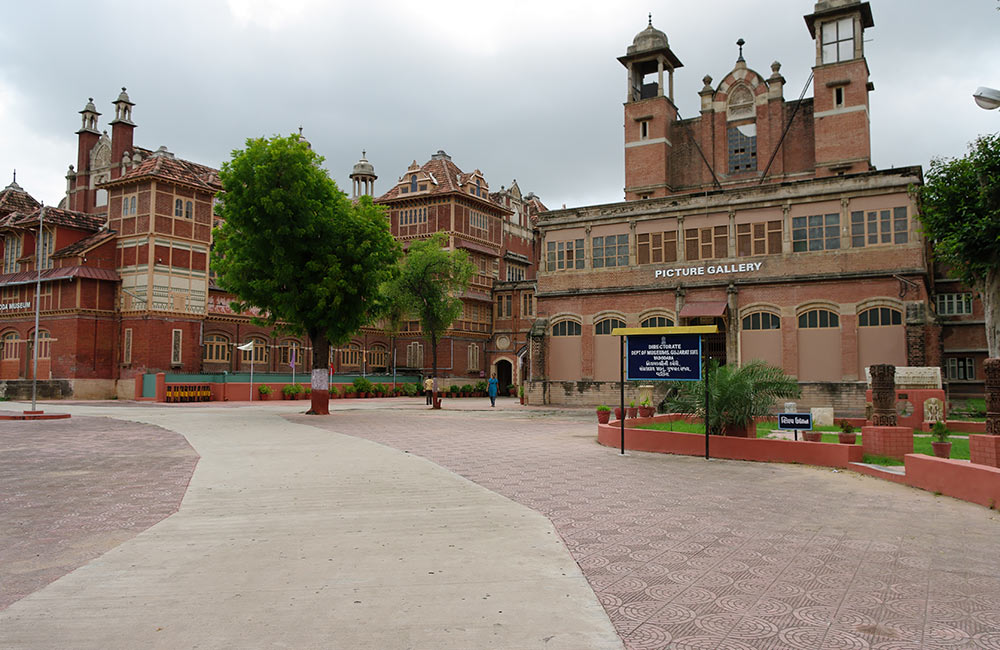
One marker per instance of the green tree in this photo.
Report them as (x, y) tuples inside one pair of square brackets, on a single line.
[(393, 311), (960, 212), (428, 285), (295, 250), (736, 395)]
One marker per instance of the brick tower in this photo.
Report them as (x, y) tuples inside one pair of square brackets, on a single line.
[(841, 86), (649, 114)]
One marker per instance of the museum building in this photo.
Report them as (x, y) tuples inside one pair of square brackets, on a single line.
[(761, 215)]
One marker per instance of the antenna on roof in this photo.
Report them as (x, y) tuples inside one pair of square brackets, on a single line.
[(650, 18), (15, 176)]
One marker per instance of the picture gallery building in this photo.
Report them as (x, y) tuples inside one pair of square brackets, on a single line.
[(761, 215)]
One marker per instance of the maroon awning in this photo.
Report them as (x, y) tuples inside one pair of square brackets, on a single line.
[(707, 308)]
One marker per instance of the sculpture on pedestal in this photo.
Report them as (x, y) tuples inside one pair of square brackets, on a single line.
[(883, 395)]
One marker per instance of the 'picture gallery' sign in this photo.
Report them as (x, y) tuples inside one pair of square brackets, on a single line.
[(711, 269)]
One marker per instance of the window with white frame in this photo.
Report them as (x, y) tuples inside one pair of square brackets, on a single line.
[(11, 253), (48, 245), (954, 304), (961, 368), (474, 361), (656, 321), (604, 327), (527, 304), (567, 328), (838, 40), (415, 355)]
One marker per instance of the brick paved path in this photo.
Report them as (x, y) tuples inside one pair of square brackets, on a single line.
[(689, 554), (72, 489)]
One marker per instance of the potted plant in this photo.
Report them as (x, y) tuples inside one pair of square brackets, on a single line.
[(632, 410), (646, 409), (263, 390), (453, 391), (847, 436), (512, 390), (618, 413), (812, 436), (362, 387), (480, 388), (603, 414), (306, 391), (288, 391), (520, 394), (738, 394), (940, 442), (334, 393), (466, 390)]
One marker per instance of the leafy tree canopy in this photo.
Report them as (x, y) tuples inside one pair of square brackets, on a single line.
[(960, 212), (293, 246)]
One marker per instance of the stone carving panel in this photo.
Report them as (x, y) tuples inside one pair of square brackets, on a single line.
[(912, 377), (883, 394)]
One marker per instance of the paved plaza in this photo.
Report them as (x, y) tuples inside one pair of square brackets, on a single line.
[(299, 532)]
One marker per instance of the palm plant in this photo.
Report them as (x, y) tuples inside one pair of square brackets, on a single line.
[(736, 395)]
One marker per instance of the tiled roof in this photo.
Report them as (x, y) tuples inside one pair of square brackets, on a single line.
[(163, 165), (61, 273), (14, 199), (58, 217), (85, 244), (441, 175)]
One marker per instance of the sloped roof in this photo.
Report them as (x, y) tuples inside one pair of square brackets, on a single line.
[(15, 199), (442, 176), (164, 165), (86, 244), (61, 273), (57, 217)]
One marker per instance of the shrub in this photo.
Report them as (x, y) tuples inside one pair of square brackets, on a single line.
[(333, 391), (846, 426), (480, 386), (264, 389), (291, 389), (410, 389), (603, 407), (453, 389), (466, 389), (940, 432), (362, 385)]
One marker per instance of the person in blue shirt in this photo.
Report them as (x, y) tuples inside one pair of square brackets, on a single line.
[(492, 388)]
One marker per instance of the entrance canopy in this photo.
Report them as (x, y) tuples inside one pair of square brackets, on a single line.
[(707, 308)]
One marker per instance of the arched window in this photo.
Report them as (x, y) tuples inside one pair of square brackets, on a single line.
[(188, 210), (818, 318), (291, 352), (657, 321), (178, 208), (9, 347), (259, 352), (566, 328), (413, 183), (762, 320), (44, 344), (351, 356), (216, 348), (880, 317), (378, 357), (605, 326)]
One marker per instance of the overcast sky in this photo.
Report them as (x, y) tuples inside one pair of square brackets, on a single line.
[(525, 90)]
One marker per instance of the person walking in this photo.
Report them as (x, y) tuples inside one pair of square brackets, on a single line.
[(429, 390), (493, 385)]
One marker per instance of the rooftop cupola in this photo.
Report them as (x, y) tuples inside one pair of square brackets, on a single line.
[(89, 118), (363, 178), (649, 53)]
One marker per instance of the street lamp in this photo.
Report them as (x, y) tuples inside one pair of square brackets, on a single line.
[(987, 98)]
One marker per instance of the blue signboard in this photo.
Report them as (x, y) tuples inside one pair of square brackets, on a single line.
[(664, 357)]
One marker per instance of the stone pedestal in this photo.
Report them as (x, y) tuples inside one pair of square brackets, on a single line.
[(884, 395), (984, 450), (894, 442), (822, 416)]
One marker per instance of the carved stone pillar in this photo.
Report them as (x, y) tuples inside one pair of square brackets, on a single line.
[(991, 367), (883, 395)]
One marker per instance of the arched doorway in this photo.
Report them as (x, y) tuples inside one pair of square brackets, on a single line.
[(505, 375)]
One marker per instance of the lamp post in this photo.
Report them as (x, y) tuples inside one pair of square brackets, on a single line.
[(39, 251), (987, 98)]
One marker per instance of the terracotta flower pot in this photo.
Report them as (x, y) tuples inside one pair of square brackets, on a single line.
[(812, 436), (603, 417), (631, 411), (941, 449), (618, 413), (847, 438), (646, 411)]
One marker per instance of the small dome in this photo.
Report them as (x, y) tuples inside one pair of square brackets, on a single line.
[(363, 167), (648, 39), (123, 97), (90, 108)]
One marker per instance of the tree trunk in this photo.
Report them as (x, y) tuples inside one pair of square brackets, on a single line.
[(320, 375), (434, 364), (990, 295)]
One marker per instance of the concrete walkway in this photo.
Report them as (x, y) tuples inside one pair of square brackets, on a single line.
[(294, 537)]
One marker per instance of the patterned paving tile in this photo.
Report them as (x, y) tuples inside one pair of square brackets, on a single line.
[(688, 554)]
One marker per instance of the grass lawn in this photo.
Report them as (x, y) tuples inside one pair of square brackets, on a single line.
[(921, 444)]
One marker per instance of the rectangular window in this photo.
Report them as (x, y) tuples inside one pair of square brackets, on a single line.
[(564, 255), (644, 130), (11, 253), (962, 369), (761, 238), (656, 247), (48, 244), (742, 149), (473, 357), (127, 346), (954, 304), (707, 243), (610, 250), (838, 40), (415, 355), (478, 220), (838, 97), (527, 305), (817, 232), (175, 347), (879, 227)]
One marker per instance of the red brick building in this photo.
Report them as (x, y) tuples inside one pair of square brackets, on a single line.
[(761, 215)]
